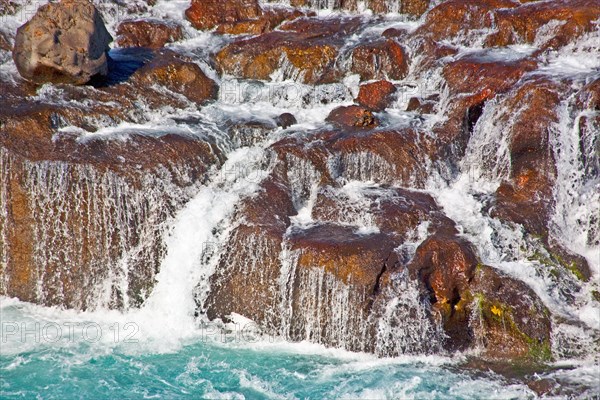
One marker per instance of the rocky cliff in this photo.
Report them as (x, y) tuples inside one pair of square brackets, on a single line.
[(441, 162)]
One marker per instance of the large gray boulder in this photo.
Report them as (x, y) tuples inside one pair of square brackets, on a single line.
[(64, 42)]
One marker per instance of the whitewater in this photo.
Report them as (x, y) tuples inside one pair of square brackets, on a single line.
[(164, 349)]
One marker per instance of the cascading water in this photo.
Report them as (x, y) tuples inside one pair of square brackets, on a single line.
[(157, 246)]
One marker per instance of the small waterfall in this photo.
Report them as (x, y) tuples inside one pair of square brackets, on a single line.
[(203, 224), (404, 321), (321, 308), (504, 245), (576, 216), (318, 306), (304, 179), (5, 168), (91, 237), (363, 166), (488, 148)]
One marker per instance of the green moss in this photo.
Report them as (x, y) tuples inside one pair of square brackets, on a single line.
[(499, 313), (596, 295), (478, 268), (538, 351), (553, 260)]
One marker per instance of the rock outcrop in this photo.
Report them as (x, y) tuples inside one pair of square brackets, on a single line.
[(148, 33), (375, 96), (305, 49), (380, 60), (64, 42), (355, 268), (178, 74), (208, 14), (343, 241)]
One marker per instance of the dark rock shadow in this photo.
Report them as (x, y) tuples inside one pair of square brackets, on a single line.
[(122, 63)]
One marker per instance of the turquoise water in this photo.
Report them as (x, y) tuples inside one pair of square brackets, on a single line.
[(208, 371), (173, 364)]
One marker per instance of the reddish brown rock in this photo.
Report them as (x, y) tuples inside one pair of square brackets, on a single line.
[(286, 120), (383, 60), (394, 33), (422, 106), (147, 33), (179, 75), (481, 306), (454, 17), (352, 116), (397, 212), (86, 204), (472, 81), (207, 14), (91, 204), (475, 74), (382, 156), (446, 265), (413, 7), (246, 281), (250, 132), (375, 96), (526, 198), (310, 47), (511, 321), (341, 252), (430, 52), (522, 24), (270, 19)]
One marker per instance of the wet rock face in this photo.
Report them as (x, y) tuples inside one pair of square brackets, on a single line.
[(352, 116), (270, 19), (68, 197), (95, 208), (64, 42), (552, 23), (383, 60), (207, 14), (147, 33), (412, 7), (571, 18), (179, 75), (305, 49), (71, 205), (527, 197), (454, 17), (246, 279), (4, 43), (8, 7), (478, 305), (375, 96), (331, 283)]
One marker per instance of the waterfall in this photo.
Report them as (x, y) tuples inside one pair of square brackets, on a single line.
[(575, 222), (94, 237)]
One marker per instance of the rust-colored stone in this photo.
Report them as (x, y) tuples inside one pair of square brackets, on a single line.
[(268, 21), (352, 116), (382, 60), (450, 18), (177, 74), (310, 47), (148, 33), (375, 96), (522, 24), (207, 14)]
